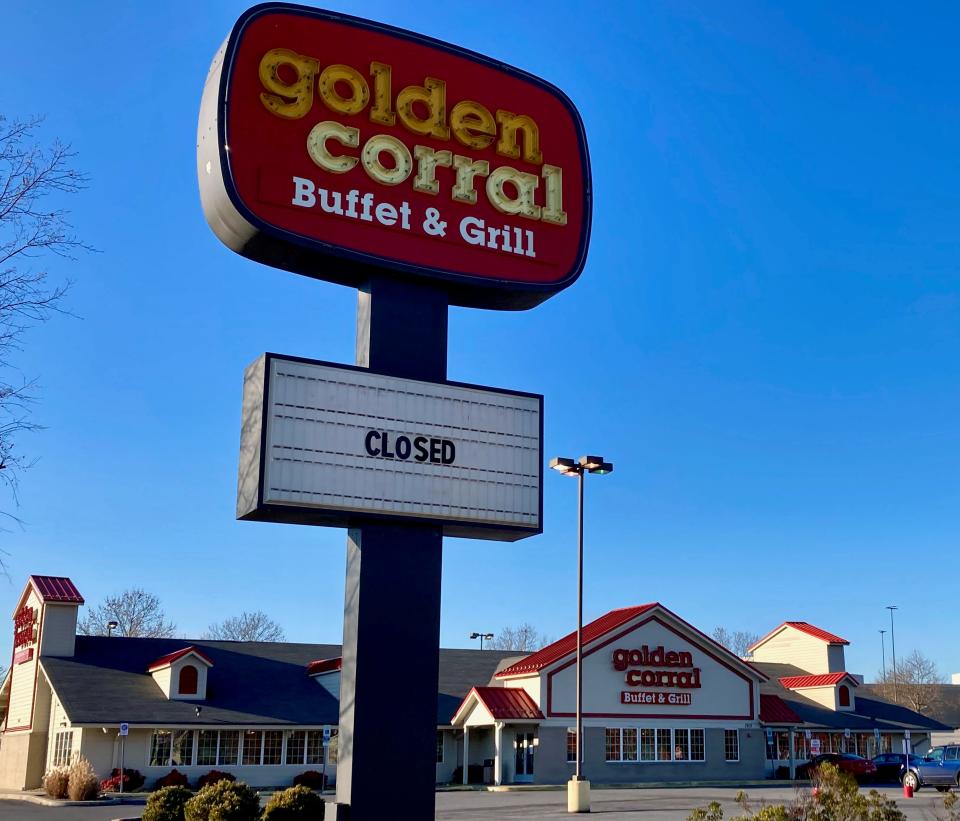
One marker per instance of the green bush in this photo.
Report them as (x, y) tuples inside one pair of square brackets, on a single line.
[(83, 783), (166, 804), (295, 804), (224, 801)]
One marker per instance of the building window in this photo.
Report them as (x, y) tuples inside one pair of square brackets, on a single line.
[(613, 744), (697, 749), (160, 743), (187, 681), (664, 746), (681, 745), (647, 746), (315, 747), (572, 744), (296, 746), (252, 744), (229, 747), (844, 695), (272, 746), (206, 748), (63, 748), (731, 745), (182, 748), (629, 743)]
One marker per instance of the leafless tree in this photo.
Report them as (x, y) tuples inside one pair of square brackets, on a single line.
[(246, 627), (738, 642), (136, 612), (524, 638), (33, 228), (916, 684)]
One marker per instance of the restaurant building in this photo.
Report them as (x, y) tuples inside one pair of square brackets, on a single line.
[(661, 702)]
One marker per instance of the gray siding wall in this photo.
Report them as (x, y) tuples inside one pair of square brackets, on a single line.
[(552, 766)]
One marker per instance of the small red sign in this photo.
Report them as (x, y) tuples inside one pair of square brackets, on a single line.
[(659, 699), (22, 656), (323, 135)]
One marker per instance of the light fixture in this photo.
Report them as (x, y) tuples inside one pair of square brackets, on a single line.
[(111, 626), (578, 788), (482, 637)]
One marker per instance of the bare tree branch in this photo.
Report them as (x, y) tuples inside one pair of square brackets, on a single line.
[(523, 638), (31, 176), (246, 627), (738, 642), (915, 684), (136, 612)]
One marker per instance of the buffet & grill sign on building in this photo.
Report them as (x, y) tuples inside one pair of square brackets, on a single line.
[(423, 175)]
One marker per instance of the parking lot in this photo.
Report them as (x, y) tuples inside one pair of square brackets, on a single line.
[(658, 804)]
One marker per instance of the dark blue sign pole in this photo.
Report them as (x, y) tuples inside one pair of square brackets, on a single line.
[(386, 763)]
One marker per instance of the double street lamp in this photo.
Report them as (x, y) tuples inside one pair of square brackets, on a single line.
[(578, 789), (482, 636)]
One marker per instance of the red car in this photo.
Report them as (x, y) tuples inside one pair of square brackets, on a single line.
[(860, 768)]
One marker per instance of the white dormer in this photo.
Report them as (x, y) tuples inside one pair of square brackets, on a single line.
[(326, 672), (182, 675), (803, 645), (835, 691)]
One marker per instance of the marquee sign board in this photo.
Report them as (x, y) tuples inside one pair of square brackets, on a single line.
[(331, 146), (333, 445)]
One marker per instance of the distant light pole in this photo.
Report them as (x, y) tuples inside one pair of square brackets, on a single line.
[(482, 636), (111, 626), (893, 647), (578, 789), (883, 656)]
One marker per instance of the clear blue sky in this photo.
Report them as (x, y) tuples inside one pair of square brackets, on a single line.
[(765, 340)]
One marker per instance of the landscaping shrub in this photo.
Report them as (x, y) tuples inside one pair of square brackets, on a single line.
[(294, 804), (224, 801), (174, 778), (167, 804), (837, 798), (311, 779), (213, 777), (83, 784), (55, 782), (132, 780)]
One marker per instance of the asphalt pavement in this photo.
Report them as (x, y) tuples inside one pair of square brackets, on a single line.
[(657, 804)]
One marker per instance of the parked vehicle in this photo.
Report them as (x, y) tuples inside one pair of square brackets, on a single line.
[(860, 768), (939, 768), (890, 766)]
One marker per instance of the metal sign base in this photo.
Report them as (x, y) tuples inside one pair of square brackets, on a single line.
[(391, 615)]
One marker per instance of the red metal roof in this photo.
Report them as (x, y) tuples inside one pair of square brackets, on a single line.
[(507, 703), (774, 710), (170, 658), (568, 644), (56, 589), (803, 627), (324, 666), (822, 680)]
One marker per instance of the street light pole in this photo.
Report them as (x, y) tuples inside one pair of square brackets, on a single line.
[(883, 656), (893, 647), (579, 765), (481, 636), (578, 788)]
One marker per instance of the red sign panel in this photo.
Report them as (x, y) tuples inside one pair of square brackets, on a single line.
[(23, 656), (333, 146), (663, 699)]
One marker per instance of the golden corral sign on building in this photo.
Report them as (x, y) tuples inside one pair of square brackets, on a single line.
[(330, 145), (324, 444), (656, 668)]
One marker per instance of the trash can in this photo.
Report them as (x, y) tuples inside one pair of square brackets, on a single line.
[(488, 771)]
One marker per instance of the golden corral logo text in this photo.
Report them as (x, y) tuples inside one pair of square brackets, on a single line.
[(296, 85), (683, 673)]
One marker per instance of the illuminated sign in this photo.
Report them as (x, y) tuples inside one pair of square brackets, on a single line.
[(24, 631), (661, 699), (330, 444), (682, 674), (329, 145)]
